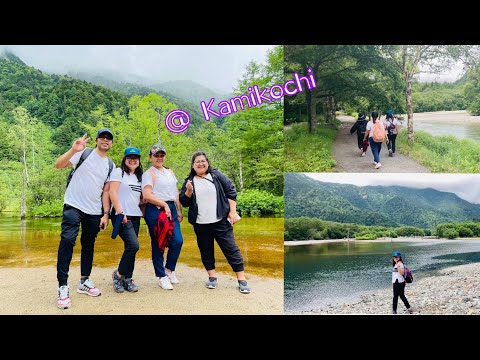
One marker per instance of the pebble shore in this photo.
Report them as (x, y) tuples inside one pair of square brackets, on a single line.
[(454, 291)]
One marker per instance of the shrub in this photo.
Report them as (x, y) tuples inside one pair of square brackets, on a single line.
[(450, 234), (465, 232), (258, 202)]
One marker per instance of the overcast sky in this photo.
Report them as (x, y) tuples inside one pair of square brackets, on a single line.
[(215, 66), (466, 186)]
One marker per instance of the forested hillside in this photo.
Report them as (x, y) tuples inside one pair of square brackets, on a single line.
[(389, 206)]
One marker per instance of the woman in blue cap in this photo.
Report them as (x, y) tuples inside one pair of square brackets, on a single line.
[(398, 282), (125, 191)]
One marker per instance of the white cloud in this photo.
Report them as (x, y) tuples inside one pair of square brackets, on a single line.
[(465, 186)]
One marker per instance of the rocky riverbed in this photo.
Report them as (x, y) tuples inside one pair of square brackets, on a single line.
[(454, 291)]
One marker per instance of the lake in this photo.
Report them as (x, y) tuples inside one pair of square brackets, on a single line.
[(320, 275), (440, 123), (34, 242)]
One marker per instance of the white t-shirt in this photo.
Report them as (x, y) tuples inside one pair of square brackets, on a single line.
[(86, 186), (128, 192), (396, 275), (394, 122), (370, 127), (206, 195), (165, 187)]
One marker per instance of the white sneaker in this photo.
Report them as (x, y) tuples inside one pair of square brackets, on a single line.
[(363, 153), (88, 288), (173, 278), (63, 300), (378, 166), (165, 283)]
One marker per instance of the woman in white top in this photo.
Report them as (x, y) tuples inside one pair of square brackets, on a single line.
[(212, 201), (162, 192), (398, 282), (125, 191), (376, 135)]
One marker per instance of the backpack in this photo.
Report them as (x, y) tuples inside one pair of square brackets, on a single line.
[(378, 131), (407, 275), (85, 154), (362, 127), (391, 125)]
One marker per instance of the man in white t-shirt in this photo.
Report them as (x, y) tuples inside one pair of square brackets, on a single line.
[(87, 203)]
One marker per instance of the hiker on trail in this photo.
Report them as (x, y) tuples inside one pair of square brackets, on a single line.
[(392, 131), (163, 214), (398, 282), (360, 127), (376, 135), (125, 191), (212, 201), (86, 202)]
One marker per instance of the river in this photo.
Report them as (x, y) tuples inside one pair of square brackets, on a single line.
[(320, 275)]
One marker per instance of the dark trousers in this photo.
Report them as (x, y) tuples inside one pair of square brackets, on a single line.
[(391, 142), (151, 214), (129, 234), (399, 290), (222, 231), (72, 218), (360, 141)]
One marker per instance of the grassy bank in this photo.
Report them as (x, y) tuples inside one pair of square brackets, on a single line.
[(306, 152), (442, 154)]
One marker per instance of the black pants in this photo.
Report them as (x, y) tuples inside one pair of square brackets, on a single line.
[(360, 140), (72, 218), (399, 290), (222, 231), (391, 142), (129, 234)]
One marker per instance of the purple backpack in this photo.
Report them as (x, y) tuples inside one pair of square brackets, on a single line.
[(408, 275)]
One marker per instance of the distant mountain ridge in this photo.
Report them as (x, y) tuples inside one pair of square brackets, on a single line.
[(374, 205), (186, 90), (186, 94)]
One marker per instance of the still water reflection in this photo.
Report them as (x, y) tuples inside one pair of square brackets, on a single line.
[(34, 242)]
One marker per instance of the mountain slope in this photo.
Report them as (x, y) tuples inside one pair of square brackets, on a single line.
[(373, 205), (60, 102)]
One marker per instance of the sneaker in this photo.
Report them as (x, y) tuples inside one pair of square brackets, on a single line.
[(390, 153), (378, 166), (394, 312), (165, 283), (374, 162), (243, 287), (88, 288), (130, 285), (410, 310), (63, 300), (363, 153), (211, 283), (173, 278), (118, 282)]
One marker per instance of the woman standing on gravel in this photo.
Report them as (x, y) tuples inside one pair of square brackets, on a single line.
[(398, 282)]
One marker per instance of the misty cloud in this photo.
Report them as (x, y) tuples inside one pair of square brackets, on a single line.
[(217, 67)]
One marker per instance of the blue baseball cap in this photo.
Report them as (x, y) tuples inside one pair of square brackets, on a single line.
[(104, 131), (389, 112), (131, 151), (396, 253)]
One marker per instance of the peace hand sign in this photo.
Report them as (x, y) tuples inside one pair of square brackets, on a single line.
[(80, 144)]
